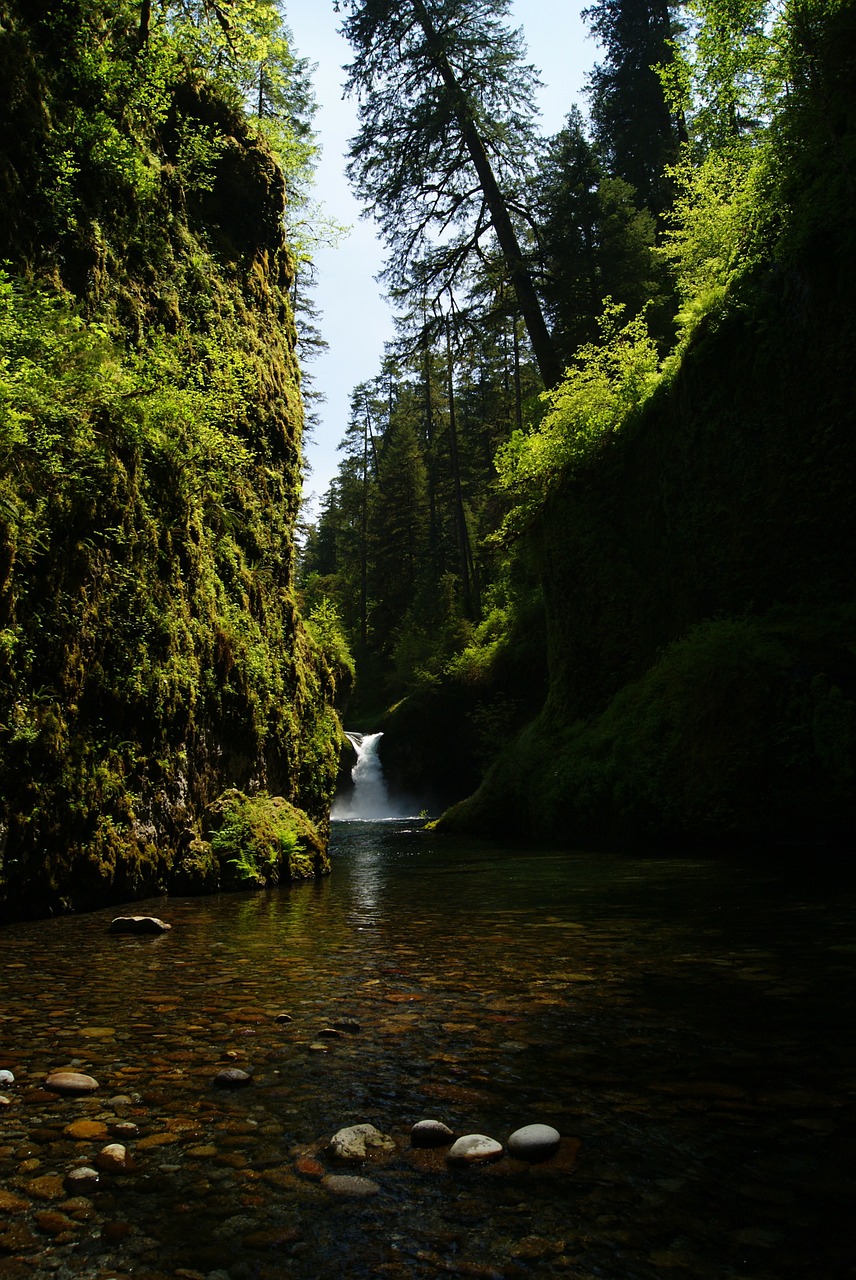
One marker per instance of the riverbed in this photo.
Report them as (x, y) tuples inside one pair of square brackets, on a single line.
[(685, 1024)]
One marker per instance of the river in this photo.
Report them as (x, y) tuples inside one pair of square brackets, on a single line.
[(686, 1025)]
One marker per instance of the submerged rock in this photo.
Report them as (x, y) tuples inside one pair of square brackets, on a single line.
[(474, 1148), (138, 924), (431, 1133), (534, 1142), (358, 1141), (6, 1078), (344, 1184), (112, 1158), (231, 1078)]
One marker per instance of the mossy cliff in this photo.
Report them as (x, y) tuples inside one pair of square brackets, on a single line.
[(151, 654), (698, 579)]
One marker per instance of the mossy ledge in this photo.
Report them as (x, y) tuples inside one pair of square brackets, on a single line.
[(151, 653)]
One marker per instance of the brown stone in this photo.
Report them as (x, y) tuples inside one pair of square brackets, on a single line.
[(72, 1082), (86, 1130), (156, 1140), (309, 1168), (271, 1238), (10, 1203), (112, 1158), (53, 1223), (16, 1239), (48, 1187)]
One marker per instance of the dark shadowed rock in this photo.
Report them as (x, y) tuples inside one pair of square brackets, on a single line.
[(231, 1078), (138, 924), (431, 1133)]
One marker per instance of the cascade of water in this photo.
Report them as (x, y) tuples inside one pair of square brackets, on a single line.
[(369, 798)]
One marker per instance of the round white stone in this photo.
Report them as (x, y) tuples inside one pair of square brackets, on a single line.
[(474, 1147)]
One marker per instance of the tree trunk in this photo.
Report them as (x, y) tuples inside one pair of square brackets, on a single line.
[(545, 352)]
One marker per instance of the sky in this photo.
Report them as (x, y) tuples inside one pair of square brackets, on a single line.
[(355, 319)]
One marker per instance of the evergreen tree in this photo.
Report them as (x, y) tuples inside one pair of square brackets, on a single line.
[(636, 133), (446, 107)]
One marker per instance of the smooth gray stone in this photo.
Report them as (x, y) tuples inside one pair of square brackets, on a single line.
[(534, 1142), (70, 1082)]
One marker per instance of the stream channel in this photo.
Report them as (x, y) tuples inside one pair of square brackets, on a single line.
[(687, 1026)]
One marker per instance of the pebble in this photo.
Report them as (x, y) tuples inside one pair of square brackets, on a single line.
[(231, 1078), (70, 1082), (431, 1133), (138, 924), (534, 1142), (357, 1141), (112, 1158), (82, 1178), (343, 1184), (6, 1078), (473, 1148), (283, 1017), (4, 1101)]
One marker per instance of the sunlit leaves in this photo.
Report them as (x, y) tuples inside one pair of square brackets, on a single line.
[(604, 384)]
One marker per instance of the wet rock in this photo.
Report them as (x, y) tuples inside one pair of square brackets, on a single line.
[(4, 1101), (534, 1142), (124, 1129), (53, 1224), (319, 1046), (86, 1130), (431, 1133), (347, 1024), (112, 1158), (474, 1148), (48, 1187), (344, 1184), (309, 1167), (138, 924), (6, 1078), (231, 1078), (358, 1141), (283, 1017), (81, 1179), (330, 1033), (72, 1082), (271, 1238), (10, 1203)]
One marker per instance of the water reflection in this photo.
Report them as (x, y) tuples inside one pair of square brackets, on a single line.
[(684, 1024)]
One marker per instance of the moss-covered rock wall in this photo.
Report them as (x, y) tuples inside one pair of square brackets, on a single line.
[(151, 654), (698, 578)]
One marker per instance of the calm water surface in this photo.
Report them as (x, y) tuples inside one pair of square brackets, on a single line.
[(686, 1025)]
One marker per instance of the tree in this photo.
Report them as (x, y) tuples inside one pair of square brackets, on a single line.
[(445, 106), (636, 132)]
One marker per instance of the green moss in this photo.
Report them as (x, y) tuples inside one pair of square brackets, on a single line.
[(745, 730), (151, 652), (260, 840)]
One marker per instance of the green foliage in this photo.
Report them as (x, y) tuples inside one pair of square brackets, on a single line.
[(722, 738), (606, 384), (261, 838), (150, 648)]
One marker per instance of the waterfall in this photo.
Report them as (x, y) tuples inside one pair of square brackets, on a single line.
[(369, 798)]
